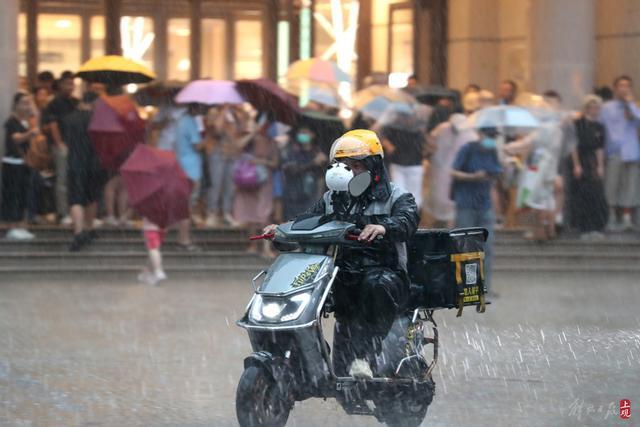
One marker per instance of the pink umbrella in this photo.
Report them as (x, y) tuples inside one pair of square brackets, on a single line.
[(115, 130), (157, 187), (209, 92)]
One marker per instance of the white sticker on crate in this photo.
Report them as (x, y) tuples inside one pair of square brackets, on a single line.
[(471, 273)]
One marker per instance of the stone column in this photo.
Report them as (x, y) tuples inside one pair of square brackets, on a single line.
[(430, 41), (8, 57), (195, 13), (32, 40), (160, 43), (363, 42), (85, 39), (230, 40), (270, 39), (293, 16), (473, 43), (563, 47), (112, 14)]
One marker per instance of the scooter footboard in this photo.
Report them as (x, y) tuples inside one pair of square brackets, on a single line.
[(352, 392)]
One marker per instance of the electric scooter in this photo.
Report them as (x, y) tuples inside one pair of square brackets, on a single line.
[(292, 361)]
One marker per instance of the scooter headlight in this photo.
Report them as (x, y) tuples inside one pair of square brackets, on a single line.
[(279, 309)]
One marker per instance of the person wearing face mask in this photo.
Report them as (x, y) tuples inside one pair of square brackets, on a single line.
[(474, 171), (302, 164), (537, 187), (372, 286)]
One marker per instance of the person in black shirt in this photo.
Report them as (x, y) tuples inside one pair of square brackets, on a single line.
[(63, 104), (85, 179), (15, 173), (587, 202)]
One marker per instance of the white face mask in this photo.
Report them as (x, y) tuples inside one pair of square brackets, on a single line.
[(338, 176)]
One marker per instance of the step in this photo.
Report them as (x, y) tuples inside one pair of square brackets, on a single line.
[(525, 248), (129, 258), (614, 253), (564, 268), (61, 244), (129, 273), (53, 271)]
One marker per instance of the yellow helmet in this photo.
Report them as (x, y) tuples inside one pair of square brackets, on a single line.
[(357, 144)]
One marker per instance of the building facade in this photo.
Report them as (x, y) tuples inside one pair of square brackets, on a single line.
[(568, 45)]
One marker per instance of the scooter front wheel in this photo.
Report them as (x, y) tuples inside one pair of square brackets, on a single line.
[(258, 400)]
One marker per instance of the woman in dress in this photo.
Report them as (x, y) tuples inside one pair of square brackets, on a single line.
[(588, 204), (253, 206), (15, 173)]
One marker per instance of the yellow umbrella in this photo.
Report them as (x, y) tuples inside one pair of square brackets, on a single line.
[(115, 69)]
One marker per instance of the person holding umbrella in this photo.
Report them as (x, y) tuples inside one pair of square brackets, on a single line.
[(121, 128), (159, 191), (404, 139), (222, 155)]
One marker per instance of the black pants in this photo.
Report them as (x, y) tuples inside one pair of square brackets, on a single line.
[(41, 197), (15, 188), (367, 304)]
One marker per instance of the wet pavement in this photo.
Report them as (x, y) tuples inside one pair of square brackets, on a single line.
[(553, 350)]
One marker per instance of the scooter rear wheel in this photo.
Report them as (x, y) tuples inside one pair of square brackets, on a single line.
[(410, 410), (258, 400)]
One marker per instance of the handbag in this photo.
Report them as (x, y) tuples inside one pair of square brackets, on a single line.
[(247, 175), (38, 156)]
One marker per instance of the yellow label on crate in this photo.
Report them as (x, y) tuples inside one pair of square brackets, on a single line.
[(471, 294)]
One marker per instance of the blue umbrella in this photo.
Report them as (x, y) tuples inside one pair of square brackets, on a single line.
[(380, 105), (503, 117)]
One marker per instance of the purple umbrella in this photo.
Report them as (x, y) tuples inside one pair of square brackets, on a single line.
[(209, 92), (266, 95)]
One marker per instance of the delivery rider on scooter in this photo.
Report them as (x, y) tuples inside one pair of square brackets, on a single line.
[(372, 286)]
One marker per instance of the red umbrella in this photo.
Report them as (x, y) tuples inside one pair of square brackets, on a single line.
[(115, 130), (266, 95), (157, 187)]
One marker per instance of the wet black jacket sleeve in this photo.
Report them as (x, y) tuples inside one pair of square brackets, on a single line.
[(403, 221)]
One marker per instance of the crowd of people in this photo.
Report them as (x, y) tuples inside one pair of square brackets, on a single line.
[(578, 169)]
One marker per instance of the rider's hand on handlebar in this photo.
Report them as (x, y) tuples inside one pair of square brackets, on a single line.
[(371, 231), (270, 229)]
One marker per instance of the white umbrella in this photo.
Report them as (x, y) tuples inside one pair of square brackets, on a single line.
[(503, 117)]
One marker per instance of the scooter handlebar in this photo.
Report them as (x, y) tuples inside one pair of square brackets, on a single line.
[(354, 235), (263, 236)]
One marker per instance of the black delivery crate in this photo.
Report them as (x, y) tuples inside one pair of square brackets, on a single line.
[(446, 268)]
